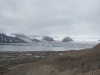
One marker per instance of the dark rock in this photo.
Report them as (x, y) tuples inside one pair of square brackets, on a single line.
[(35, 40), (2, 67), (8, 39), (47, 38), (67, 39)]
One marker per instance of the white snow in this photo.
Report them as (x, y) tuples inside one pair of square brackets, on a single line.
[(27, 40), (39, 37), (2, 37), (10, 35), (86, 39), (10, 40), (5, 39)]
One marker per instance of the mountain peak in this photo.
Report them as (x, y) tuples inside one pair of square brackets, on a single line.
[(67, 39), (47, 38)]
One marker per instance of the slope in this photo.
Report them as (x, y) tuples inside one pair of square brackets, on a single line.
[(80, 62)]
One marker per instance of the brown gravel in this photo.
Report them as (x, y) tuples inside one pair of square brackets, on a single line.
[(80, 62)]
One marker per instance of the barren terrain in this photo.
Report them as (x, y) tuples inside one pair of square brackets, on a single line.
[(80, 62)]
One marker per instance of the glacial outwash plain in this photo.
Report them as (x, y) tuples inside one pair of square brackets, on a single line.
[(73, 62)]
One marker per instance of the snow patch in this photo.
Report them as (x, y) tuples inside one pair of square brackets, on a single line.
[(26, 40), (10, 35), (86, 39)]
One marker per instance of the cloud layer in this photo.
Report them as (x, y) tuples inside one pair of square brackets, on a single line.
[(74, 18)]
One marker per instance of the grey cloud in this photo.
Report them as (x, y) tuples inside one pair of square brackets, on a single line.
[(51, 17)]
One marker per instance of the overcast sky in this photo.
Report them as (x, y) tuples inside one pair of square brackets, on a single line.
[(74, 18)]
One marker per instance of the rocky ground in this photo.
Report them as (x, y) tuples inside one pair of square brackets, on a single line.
[(11, 59), (80, 62)]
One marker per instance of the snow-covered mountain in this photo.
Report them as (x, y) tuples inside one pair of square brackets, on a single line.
[(10, 39), (26, 38), (31, 39), (21, 38)]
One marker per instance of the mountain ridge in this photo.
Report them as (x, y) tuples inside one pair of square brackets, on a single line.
[(29, 39), (10, 39)]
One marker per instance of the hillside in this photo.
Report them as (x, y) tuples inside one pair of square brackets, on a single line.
[(80, 62), (67, 39), (47, 38), (10, 39)]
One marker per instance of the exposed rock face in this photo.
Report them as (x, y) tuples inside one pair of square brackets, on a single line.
[(35, 40), (26, 38), (47, 38), (67, 39), (8, 39)]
